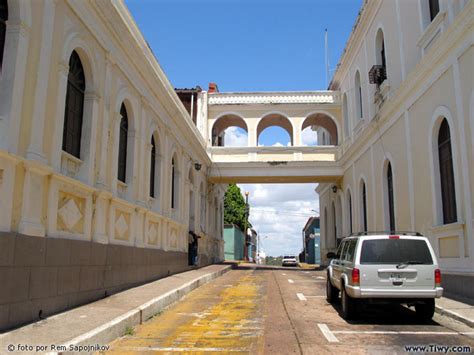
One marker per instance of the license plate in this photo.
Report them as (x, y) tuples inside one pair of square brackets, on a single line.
[(396, 276)]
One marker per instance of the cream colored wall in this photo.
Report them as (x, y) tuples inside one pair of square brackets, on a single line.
[(425, 83), (39, 194)]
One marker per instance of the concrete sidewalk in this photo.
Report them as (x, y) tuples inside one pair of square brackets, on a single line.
[(100, 322), (459, 311)]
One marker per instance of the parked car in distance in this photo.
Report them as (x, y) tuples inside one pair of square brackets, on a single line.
[(289, 260), (383, 268)]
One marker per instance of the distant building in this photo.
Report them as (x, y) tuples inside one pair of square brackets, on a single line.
[(233, 242), (311, 240)]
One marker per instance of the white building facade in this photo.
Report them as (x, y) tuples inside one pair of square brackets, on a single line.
[(407, 147)]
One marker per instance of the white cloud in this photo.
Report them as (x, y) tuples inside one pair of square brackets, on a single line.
[(278, 212), (277, 144), (235, 137), (309, 137)]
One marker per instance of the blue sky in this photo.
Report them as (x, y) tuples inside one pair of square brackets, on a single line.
[(252, 45)]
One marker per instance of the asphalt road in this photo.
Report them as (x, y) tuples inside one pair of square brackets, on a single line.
[(283, 311)]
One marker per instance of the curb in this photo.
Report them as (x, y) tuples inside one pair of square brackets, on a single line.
[(454, 315), (115, 328)]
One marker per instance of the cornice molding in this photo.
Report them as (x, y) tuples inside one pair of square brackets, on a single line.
[(310, 97)]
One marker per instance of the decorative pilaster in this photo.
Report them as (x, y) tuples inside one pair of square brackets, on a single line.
[(33, 190), (59, 117), (12, 82), (106, 125), (35, 149)]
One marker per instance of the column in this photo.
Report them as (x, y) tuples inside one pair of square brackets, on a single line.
[(89, 137), (57, 146), (104, 141), (7, 187), (115, 127), (144, 156), (12, 82), (35, 149)]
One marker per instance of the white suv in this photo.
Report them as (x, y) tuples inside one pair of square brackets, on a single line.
[(383, 268)]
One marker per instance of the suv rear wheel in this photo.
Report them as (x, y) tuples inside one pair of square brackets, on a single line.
[(332, 293), (425, 310), (348, 304)]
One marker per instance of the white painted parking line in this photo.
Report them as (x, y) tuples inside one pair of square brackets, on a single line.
[(315, 296), (330, 337), (284, 274), (291, 281), (301, 297), (321, 277), (306, 272), (398, 332)]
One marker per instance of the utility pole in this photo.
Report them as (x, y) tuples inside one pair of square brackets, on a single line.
[(246, 257)]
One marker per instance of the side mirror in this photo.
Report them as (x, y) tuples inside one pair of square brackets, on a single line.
[(331, 255)]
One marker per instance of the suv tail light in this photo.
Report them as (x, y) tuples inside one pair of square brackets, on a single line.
[(437, 275), (355, 277)]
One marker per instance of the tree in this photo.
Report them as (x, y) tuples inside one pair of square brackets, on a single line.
[(234, 207)]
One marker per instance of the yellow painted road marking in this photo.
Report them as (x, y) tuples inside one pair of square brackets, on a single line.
[(231, 321)]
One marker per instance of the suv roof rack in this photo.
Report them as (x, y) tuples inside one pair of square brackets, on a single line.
[(359, 234)]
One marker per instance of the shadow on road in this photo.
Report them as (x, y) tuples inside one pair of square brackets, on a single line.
[(387, 314)]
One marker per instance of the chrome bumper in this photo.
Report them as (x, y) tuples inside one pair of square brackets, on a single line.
[(357, 292)]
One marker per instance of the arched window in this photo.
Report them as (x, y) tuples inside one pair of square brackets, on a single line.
[(345, 110), (349, 206), (173, 183), (334, 222), (123, 138), (3, 27), (391, 203), (76, 85), (364, 207), (446, 173), (326, 227), (434, 8), (152, 167), (358, 96), (380, 51)]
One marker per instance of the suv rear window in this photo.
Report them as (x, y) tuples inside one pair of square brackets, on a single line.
[(289, 257), (395, 251)]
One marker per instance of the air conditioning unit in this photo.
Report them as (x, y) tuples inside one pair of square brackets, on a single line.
[(377, 74)]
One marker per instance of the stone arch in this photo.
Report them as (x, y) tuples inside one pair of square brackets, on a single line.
[(439, 114), (381, 49), (325, 120), (74, 42), (125, 97), (224, 121), (277, 119)]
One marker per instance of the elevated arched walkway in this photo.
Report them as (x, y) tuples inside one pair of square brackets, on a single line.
[(291, 111)]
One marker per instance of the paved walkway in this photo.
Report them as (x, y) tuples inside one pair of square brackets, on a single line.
[(457, 310), (107, 318)]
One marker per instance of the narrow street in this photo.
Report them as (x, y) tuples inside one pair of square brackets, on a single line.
[(282, 311)]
